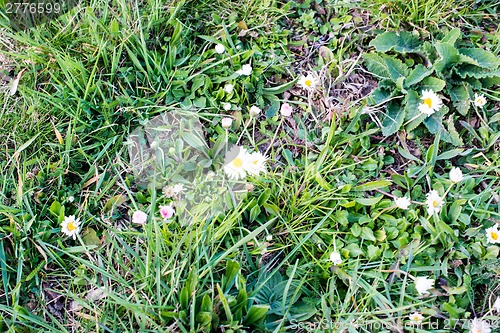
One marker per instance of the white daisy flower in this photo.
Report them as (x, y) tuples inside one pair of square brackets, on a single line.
[(228, 88), (423, 284), (308, 82), (236, 163), (431, 102), (219, 48), (70, 226), (226, 122), (256, 163), (254, 111), (226, 106), (336, 258), (479, 100), (269, 238), (434, 202), (496, 305), (493, 235), (139, 217), (456, 175), (245, 70), (178, 188), (402, 202), (479, 326), (416, 318)]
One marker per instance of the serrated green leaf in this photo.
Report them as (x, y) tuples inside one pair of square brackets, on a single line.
[(433, 84), (460, 98), (417, 75), (401, 42), (454, 136), (375, 65), (393, 119), (412, 101), (452, 36), (395, 68), (484, 58), (448, 55), (380, 95)]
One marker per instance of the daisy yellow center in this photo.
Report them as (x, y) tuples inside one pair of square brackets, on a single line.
[(416, 318), (435, 203), (255, 161), (238, 162), (494, 235), (428, 102), (308, 82), (71, 226)]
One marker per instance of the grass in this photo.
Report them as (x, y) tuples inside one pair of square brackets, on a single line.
[(253, 261)]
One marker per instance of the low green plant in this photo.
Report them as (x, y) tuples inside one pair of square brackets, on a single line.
[(405, 66)]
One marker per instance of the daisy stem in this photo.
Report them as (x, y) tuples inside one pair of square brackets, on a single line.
[(274, 136), (227, 139), (412, 119), (244, 130)]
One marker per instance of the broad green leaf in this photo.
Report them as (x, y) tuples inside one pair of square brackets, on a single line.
[(484, 58), (448, 55), (452, 36), (460, 98), (256, 314), (373, 252), (454, 136), (380, 96), (114, 202), (395, 68), (447, 155), (367, 233), (377, 184), (90, 237), (433, 84), (368, 201), (417, 75), (401, 42), (393, 119), (375, 65)]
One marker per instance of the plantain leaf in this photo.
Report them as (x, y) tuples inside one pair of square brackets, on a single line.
[(393, 119), (376, 65), (417, 75), (433, 84), (484, 58), (401, 42)]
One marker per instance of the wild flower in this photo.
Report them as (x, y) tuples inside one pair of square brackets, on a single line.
[(167, 212), (308, 82), (493, 235), (226, 122), (70, 226), (402, 202), (254, 111), (256, 163), (431, 102), (245, 70), (479, 100), (236, 163), (456, 175), (139, 217), (335, 258), (219, 48), (434, 202), (416, 318), (423, 284), (479, 326)]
